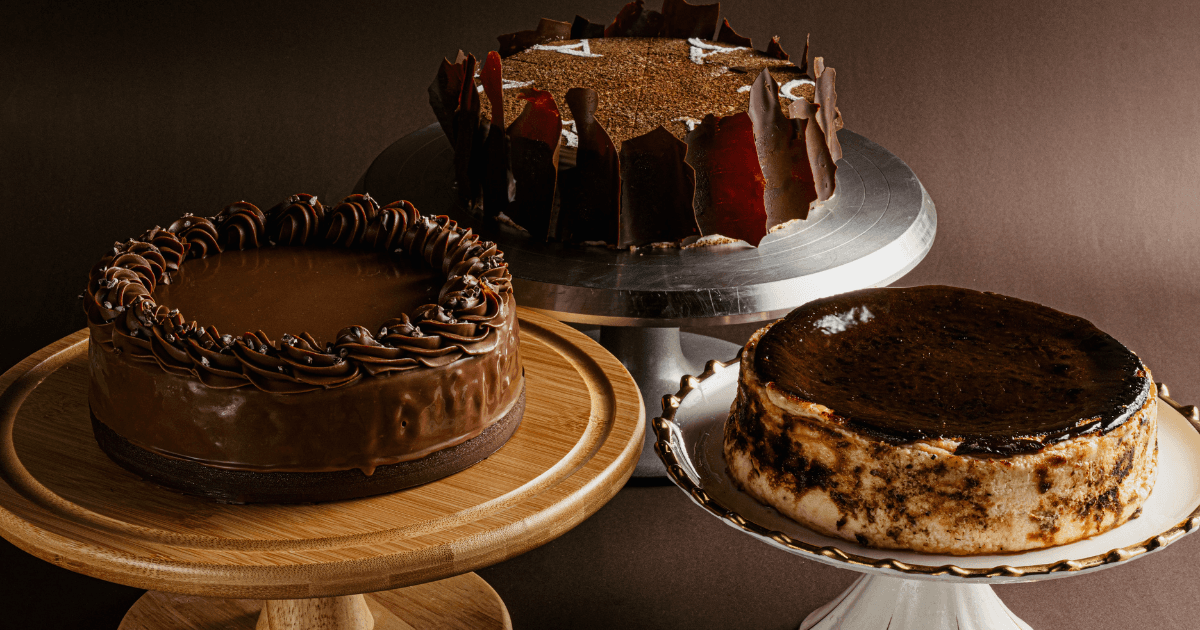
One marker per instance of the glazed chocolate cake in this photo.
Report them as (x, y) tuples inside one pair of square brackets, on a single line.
[(943, 420), (302, 354), (647, 131)]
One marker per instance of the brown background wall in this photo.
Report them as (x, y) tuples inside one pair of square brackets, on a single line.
[(1059, 140)]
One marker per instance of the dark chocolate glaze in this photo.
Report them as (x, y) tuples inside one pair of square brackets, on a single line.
[(1002, 375)]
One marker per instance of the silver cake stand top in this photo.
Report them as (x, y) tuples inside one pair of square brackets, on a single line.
[(878, 226)]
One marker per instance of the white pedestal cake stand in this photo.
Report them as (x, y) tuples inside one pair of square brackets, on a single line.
[(902, 590), (878, 226)]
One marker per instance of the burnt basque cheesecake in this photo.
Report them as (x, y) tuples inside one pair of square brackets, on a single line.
[(302, 354), (658, 128), (943, 420)]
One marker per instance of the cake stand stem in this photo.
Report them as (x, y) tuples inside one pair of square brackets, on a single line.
[(657, 358), (879, 602), (349, 612)]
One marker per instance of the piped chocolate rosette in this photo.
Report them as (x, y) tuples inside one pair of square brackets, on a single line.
[(434, 386), (669, 134)]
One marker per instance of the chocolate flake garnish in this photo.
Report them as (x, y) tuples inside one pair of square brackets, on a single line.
[(826, 96), (634, 21), (775, 50), (547, 31), (581, 28), (729, 180), (534, 139), (780, 143), (658, 187), (803, 65), (824, 168), (726, 35), (590, 193), (684, 20)]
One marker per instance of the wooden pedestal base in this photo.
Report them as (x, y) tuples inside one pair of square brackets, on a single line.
[(463, 602)]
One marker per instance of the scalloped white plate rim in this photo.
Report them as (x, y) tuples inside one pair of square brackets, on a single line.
[(700, 422)]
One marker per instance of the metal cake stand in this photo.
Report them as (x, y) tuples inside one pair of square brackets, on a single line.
[(878, 226), (906, 590)]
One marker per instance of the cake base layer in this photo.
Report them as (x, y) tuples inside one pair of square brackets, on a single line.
[(244, 486)]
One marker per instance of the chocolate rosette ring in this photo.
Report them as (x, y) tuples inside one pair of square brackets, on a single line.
[(135, 336)]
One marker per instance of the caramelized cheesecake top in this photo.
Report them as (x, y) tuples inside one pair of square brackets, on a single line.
[(999, 374)]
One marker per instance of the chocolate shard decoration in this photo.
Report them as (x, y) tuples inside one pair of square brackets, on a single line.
[(467, 140), (547, 31), (729, 180), (826, 97), (581, 28), (803, 65), (728, 36), (780, 143), (824, 168), (657, 190), (590, 193), (775, 50), (534, 138), (444, 93), (684, 20), (634, 21), (497, 179)]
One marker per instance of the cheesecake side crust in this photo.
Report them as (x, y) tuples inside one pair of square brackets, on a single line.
[(802, 459)]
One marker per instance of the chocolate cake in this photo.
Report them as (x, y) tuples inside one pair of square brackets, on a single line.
[(943, 420), (650, 130), (303, 354)]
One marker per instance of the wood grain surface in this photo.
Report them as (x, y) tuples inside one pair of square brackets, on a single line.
[(65, 502), (463, 602)]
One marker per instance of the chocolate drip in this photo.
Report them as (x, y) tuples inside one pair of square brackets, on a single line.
[(684, 20), (634, 21), (1000, 374), (581, 28), (726, 35), (546, 31), (729, 180), (658, 187), (780, 143), (824, 169), (534, 138), (590, 193)]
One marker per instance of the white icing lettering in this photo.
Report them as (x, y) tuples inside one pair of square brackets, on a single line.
[(688, 122), (786, 88), (698, 46), (571, 132), (582, 49)]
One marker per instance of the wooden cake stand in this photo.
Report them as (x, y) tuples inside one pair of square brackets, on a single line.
[(63, 501)]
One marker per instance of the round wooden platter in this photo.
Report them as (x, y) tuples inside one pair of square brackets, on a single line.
[(65, 502)]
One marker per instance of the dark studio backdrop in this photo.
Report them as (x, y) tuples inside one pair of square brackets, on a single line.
[(1060, 142)]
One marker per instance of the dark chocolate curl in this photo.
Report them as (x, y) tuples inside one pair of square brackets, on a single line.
[(775, 50), (729, 180), (634, 21), (534, 138), (497, 179), (547, 31), (684, 20), (826, 97), (824, 169), (657, 185), (581, 28), (781, 149), (590, 193), (728, 36)]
